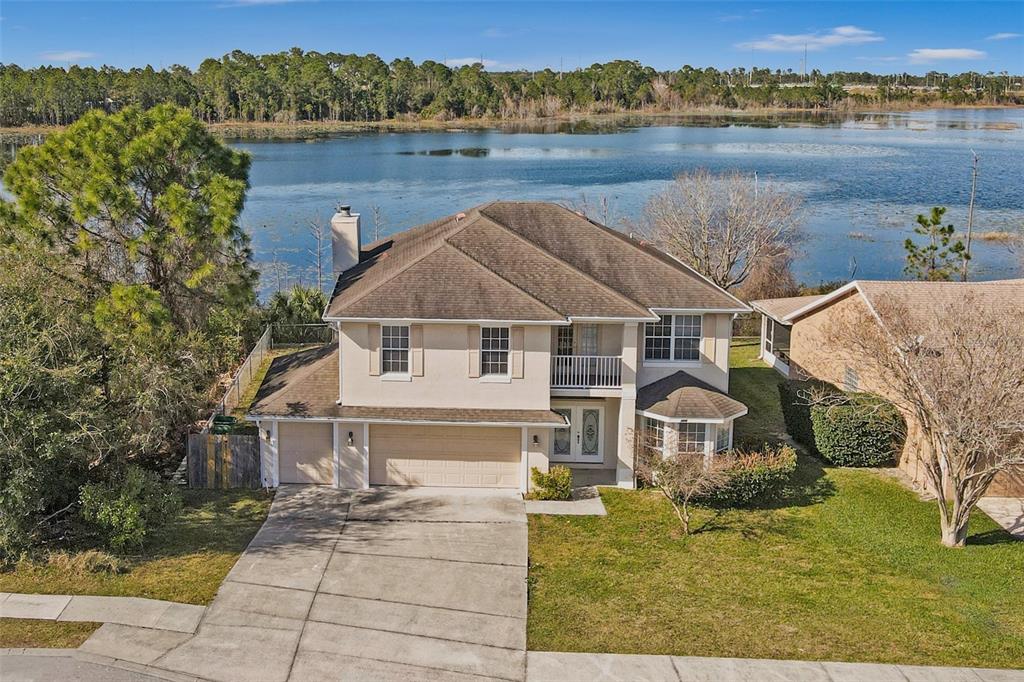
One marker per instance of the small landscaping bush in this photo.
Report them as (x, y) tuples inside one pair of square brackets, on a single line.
[(861, 431), (128, 506), (752, 476), (554, 485)]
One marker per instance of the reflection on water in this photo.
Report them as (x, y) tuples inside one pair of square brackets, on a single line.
[(864, 177)]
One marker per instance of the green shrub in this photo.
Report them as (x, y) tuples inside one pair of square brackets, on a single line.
[(862, 431), (794, 399), (554, 485), (128, 506), (755, 475)]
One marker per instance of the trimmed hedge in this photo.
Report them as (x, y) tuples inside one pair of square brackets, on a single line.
[(554, 485), (796, 412), (863, 431), (755, 475)]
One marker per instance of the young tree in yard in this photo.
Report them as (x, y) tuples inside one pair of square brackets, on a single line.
[(681, 477), (956, 371), (941, 256), (722, 225)]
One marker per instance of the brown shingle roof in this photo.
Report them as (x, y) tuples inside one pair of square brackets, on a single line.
[(568, 265), (681, 396), (305, 384), (778, 308)]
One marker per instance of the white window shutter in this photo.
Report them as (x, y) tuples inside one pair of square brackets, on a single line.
[(518, 341), (473, 347), (374, 345), (416, 349)]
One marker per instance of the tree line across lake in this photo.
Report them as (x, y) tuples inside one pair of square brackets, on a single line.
[(297, 86)]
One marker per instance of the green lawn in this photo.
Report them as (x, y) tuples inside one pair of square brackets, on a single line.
[(844, 565), (16, 633), (184, 561)]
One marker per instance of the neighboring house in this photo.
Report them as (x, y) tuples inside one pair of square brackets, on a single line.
[(511, 336), (795, 341)]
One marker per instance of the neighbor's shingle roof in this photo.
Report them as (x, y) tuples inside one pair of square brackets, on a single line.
[(305, 384), (682, 396), (778, 308), (533, 260)]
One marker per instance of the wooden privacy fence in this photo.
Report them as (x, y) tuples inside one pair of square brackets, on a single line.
[(223, 461)]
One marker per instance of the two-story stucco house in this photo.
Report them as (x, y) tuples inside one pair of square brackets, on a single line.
[(510, 336)]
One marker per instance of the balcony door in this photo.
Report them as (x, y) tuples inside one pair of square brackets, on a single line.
[(582, 441)]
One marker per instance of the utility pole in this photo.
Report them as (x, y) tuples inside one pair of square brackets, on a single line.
[(804, 68), (970, 212)]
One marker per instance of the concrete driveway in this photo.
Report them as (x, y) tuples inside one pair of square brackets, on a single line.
[(389, 583)]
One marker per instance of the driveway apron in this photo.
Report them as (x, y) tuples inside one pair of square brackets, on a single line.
[(387, 583)]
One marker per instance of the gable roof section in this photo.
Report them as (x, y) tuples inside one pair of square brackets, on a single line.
[(639, 271), (779, 308), (518, 261), (1001, 294)]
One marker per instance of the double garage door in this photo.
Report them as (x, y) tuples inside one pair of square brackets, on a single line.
[(463, 456)]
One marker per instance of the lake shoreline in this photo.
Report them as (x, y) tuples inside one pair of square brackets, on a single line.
[(273, 130)]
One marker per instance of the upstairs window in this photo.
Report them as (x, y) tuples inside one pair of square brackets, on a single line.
[(673, 338), (564, 344), (394, 345), (494, 346)]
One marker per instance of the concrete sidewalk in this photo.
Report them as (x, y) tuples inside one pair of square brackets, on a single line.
[(135, 611), (565, 667)]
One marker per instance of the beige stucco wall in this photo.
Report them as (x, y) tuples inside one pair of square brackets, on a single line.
[(445, 381), (351, 473), (714, 363)]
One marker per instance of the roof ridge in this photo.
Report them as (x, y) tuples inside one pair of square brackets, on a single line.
[(564, 263), (656, 254), (486, 269)]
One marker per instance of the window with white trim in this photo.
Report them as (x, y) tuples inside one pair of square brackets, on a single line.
[(564, 344), (654, 433), (394, 349), (851, 379), (588, 339), (673, 338), (722, 432), (692, 436), (494, 347)]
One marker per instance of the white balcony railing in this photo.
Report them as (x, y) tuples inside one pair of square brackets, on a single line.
[(586, 371)]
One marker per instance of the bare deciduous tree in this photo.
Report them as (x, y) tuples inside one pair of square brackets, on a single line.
[(320, 236), (956, 371), (722, 225), (681, 477)]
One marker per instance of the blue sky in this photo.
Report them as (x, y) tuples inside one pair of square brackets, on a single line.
[(874, 36)]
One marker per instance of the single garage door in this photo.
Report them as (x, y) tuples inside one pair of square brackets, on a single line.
[(305, 452), (465, 456)]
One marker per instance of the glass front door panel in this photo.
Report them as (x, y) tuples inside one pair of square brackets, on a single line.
[(581, 441), (561, 444), (590, 427)]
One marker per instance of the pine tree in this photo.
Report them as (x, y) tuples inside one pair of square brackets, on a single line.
[(941, 256)]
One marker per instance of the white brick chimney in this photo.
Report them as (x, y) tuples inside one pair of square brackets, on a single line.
[(345, 239)]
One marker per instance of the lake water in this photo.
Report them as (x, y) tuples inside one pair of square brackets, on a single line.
[(864, 178)]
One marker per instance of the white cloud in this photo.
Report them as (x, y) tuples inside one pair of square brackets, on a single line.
[(469, 61), (838, 36), (924, 55), (1003, 36), (67, 56)]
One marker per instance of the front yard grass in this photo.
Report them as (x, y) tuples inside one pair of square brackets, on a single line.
[(844, 565), (185, 561), (17, 633)]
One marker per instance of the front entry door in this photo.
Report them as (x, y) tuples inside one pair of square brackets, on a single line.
[(583, 439)]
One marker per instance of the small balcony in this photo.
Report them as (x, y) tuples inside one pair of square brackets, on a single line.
[(586, 371)]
